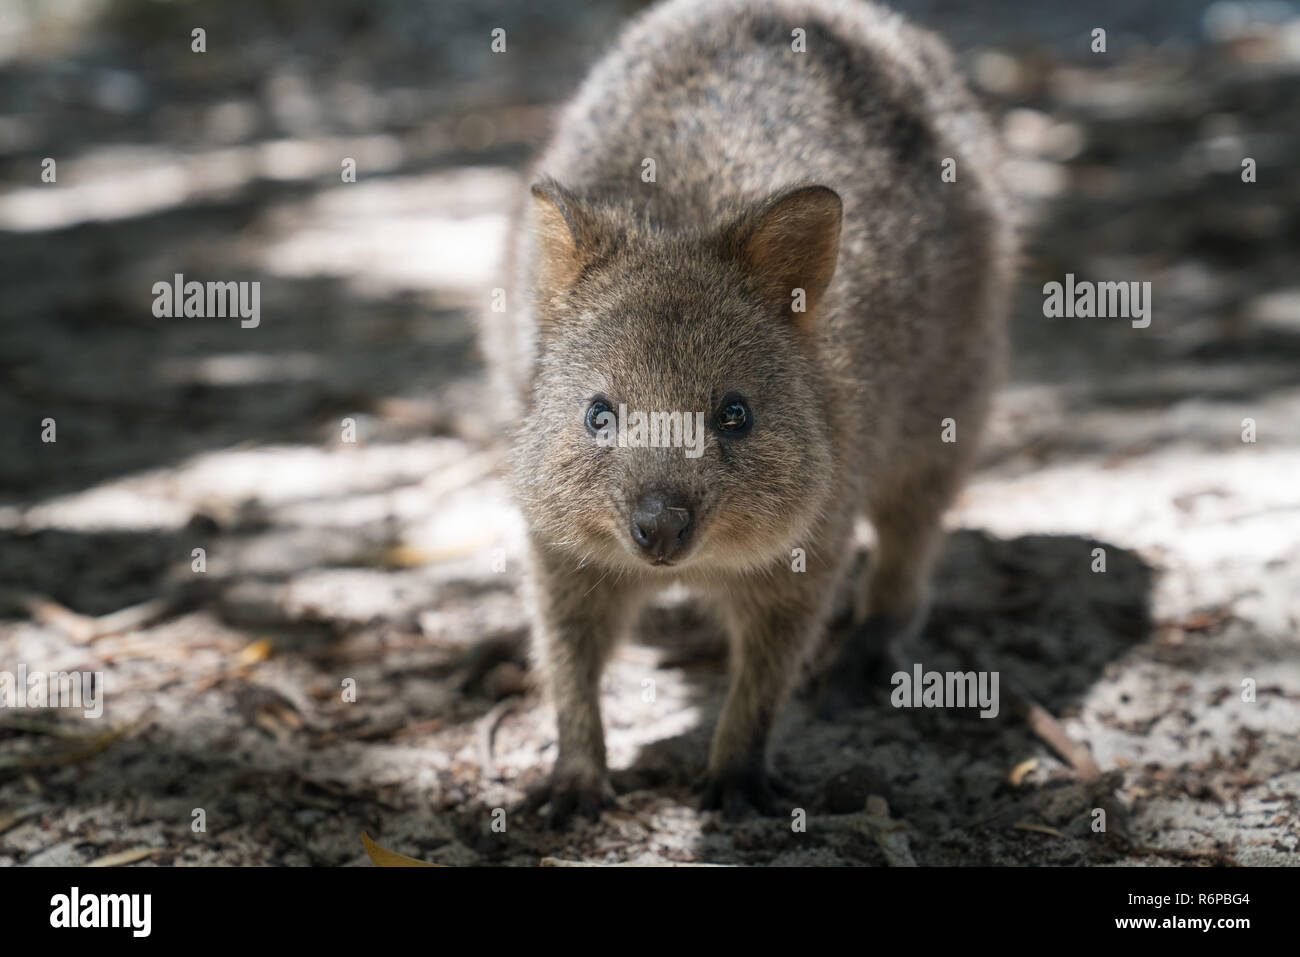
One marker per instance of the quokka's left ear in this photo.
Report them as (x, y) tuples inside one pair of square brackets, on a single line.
[(792, 242), (568, 237)]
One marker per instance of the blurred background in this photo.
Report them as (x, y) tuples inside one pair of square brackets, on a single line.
[(393, 560)]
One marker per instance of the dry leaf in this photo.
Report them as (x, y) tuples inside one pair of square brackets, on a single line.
[(1037, 828), (9, 818), (253, 653), (1018, 773), (124, 857), (386, 858), (403, 556), (409, 556)]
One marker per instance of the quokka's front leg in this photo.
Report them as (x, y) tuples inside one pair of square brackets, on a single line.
[(771, 630), (579, 619)]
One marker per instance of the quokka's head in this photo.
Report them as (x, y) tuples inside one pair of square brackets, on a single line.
[(708, 339)]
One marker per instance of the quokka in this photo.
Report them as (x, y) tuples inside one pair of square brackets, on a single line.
[(744, 213)]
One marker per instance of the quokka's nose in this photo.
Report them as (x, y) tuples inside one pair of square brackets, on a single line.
[(661, 524)]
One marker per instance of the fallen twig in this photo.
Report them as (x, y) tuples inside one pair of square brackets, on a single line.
[(561, 862), (85, 629), (890, 835), (1048, 729), (89, 749), (487, 733)]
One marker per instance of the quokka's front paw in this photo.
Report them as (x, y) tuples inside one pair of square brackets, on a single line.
[(738, 793), (568, 793)]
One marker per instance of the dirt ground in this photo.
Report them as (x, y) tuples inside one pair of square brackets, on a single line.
[(390, 564)]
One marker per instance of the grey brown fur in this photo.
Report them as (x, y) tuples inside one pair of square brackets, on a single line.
[(675, 294)]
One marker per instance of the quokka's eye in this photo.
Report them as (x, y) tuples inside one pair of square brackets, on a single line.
[(734, 416), (595, 413)]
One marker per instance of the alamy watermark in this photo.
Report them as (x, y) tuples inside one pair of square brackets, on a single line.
[(179, 299), (654, 430), (53, 689), (130, 911), (1098, 300), (946, 689)]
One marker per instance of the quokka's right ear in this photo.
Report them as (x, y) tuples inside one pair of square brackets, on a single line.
[(792, 242), (567, 239)]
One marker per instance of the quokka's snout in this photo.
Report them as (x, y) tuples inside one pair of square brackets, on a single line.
[(661, 525)]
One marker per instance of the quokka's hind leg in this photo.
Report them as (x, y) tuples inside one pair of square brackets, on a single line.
[(893, 593)]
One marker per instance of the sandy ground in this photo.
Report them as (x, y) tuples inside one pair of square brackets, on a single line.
[(391, 564)]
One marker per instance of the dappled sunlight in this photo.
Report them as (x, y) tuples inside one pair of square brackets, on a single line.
[(441, 230)]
